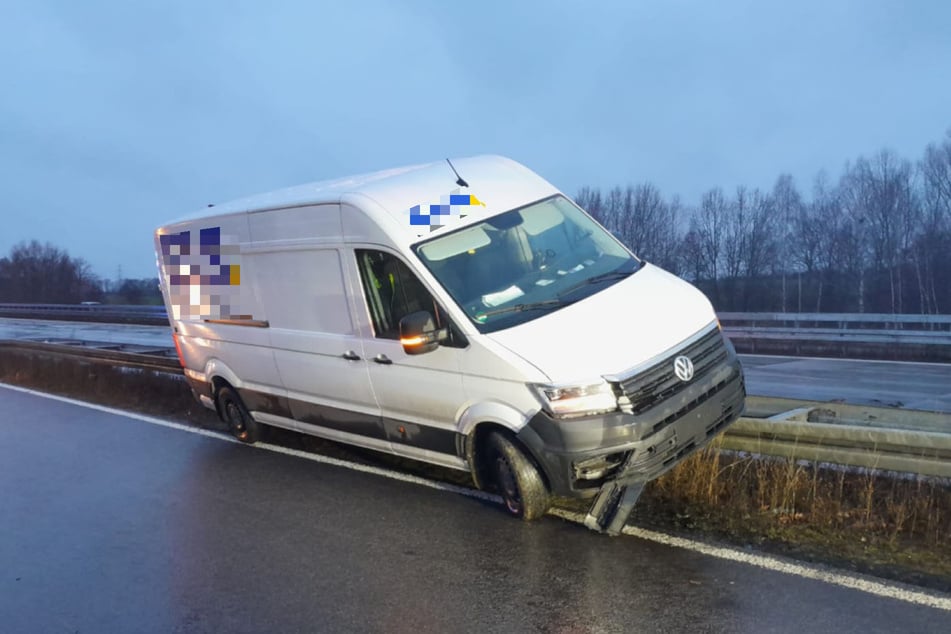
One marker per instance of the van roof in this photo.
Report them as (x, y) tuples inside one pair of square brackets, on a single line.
[(498, 183)]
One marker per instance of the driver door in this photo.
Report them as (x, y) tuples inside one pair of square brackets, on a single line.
[(420, 396)]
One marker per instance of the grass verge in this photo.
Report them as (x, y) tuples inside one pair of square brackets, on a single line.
[(891, 527)]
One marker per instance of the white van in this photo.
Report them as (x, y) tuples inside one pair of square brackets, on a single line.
[(462, 313)]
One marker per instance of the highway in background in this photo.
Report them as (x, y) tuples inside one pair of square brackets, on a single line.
[(880, 383), (112, 524), (925, 386), (83, 330)]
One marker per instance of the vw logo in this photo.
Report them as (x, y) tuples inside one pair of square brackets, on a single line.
[(683, 368)]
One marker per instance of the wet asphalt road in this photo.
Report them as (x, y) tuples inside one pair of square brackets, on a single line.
[(88, 331), (924, 386), (110, 524)]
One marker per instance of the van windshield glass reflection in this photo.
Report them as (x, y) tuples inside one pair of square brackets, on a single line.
[(524, 263)]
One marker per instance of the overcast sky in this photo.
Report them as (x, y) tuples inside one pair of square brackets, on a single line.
[(116, 116)]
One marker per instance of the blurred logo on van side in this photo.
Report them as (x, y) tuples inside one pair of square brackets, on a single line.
[(202, 276)]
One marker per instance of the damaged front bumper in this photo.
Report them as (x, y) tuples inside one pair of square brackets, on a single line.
[(601, 455)]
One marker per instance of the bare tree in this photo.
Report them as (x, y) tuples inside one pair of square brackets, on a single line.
[(736, 234), (762, 244), (691, 254), (709, 226), (613, 211), (646, 223), (35, 272), (936, 168), (667, 254), (820, 226), (787, 202), (853, 233), (881, 196), (589, 199), (934, 241)]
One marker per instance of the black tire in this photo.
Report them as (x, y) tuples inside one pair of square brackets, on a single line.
[(236, 415), (516, 479)]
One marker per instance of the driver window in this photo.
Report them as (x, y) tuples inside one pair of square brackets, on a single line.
[(392, 291)]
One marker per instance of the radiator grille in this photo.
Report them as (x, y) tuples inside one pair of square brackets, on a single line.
[(646, 389)]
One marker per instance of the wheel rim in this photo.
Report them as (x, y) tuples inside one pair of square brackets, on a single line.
[(236, 420), (508, 486)]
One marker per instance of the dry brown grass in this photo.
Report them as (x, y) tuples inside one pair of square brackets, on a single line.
[(737, 489), (868, 519)]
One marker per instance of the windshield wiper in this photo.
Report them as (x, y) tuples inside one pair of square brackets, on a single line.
[(610, 275), (517, 308)]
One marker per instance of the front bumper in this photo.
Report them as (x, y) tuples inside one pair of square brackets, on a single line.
[(580, 455)]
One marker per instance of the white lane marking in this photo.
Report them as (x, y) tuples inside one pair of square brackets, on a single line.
[(869, 585)]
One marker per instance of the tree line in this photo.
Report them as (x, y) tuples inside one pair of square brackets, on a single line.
[(41, 273), (876, 239)]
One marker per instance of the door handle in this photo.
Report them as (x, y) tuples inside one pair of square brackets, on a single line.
[(350, 355), (382, 358)]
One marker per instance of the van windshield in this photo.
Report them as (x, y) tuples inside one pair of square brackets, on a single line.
[(524, 263)]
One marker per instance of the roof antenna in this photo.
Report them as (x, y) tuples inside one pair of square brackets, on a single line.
[(459, 180)]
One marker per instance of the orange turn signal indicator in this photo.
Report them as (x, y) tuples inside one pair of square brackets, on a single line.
[(178, 349)]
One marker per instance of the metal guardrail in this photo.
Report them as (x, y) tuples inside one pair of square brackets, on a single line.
[(926, 329), (846, 320), (160, 358), (880, 336), (875, 438), (109, 313), (96, 309)]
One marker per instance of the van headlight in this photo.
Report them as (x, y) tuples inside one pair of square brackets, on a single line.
[(581, 399)]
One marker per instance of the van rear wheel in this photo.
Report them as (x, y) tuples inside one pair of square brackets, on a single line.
[(237, 416), (517, 479)]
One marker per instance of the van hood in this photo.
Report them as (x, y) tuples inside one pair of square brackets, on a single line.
[(614, 330)]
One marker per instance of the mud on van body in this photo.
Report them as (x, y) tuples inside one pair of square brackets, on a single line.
[(485, 324)]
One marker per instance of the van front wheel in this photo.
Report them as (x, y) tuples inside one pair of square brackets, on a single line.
[(517, 479), (237, 416)]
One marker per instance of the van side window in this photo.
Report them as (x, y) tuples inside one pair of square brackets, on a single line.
[(393, 291)]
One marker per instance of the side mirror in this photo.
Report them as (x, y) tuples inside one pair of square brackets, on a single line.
[(418, 333)]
